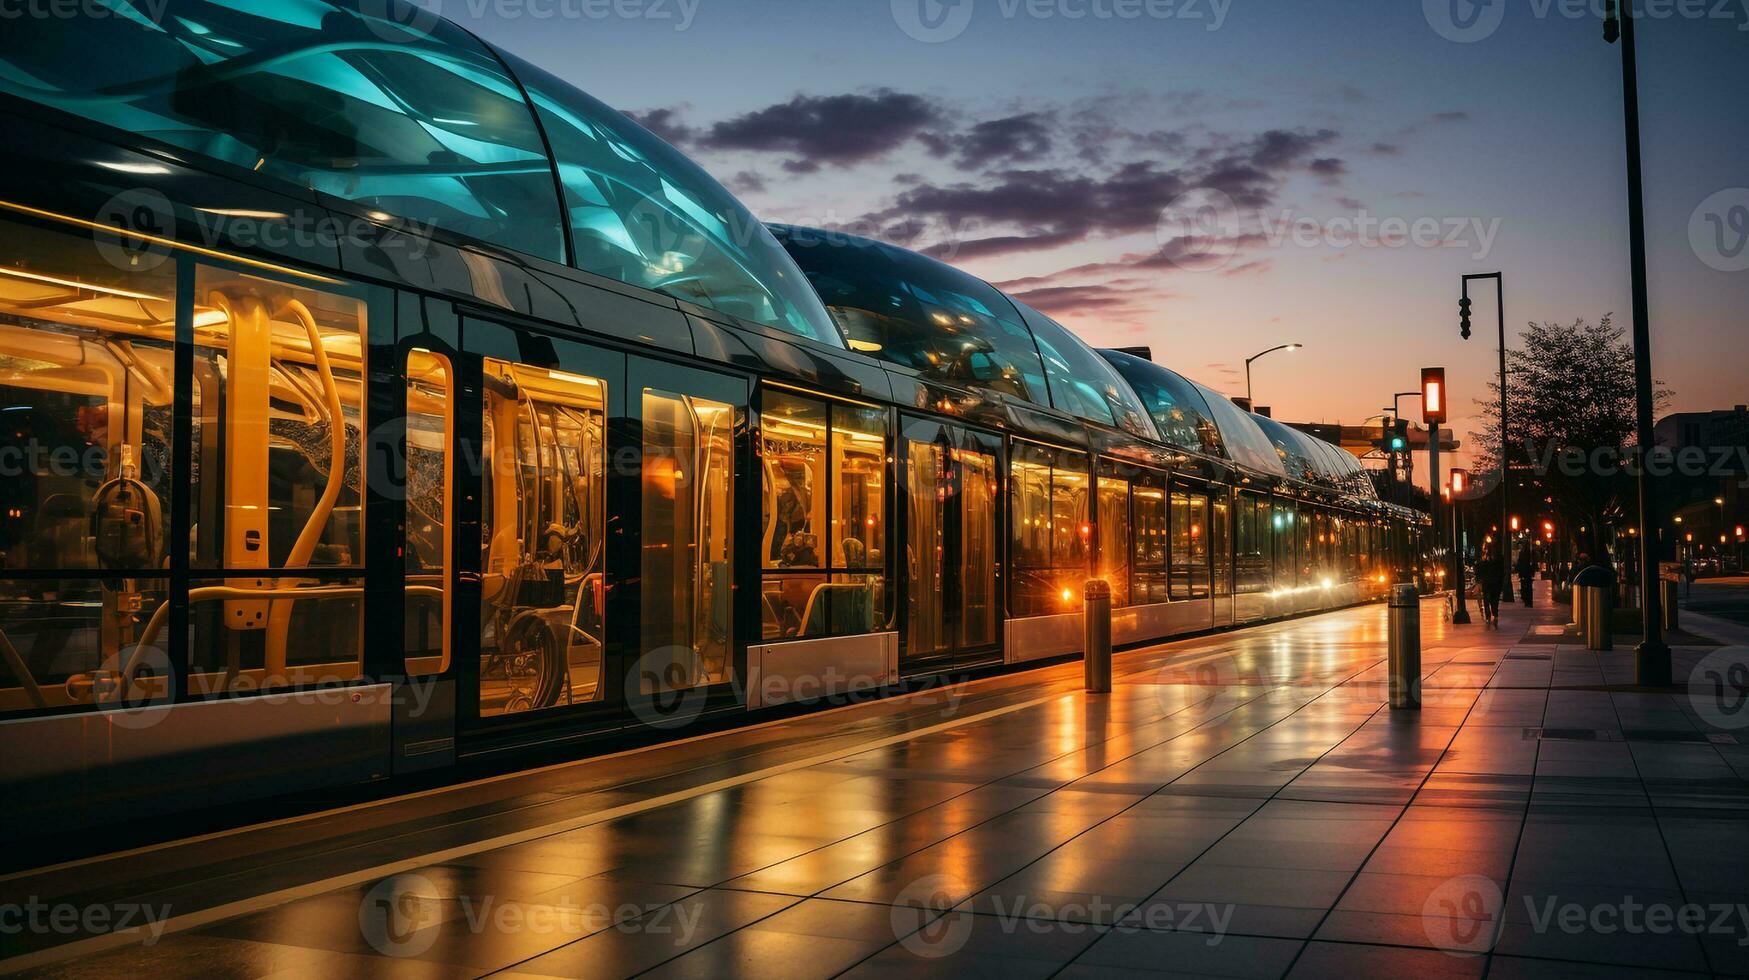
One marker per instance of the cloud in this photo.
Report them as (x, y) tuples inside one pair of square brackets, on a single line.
[(1022, 138), (1385, 149), (747, 182), (1451, 117), (1328, 169), (830, 130), (666, 124)]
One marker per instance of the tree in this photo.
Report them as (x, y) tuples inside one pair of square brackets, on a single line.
[(1572, 419)]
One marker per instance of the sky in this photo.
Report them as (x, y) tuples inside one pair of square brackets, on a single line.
[(1211, 178)]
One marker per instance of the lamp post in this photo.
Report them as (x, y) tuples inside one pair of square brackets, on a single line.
[(1260, 354), (1505, 454), (1652, 657), (1460, 485)]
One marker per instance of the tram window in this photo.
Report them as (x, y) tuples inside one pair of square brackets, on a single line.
[(823, 576), (543, 529), (927, 477), (1114, 538), (1190, 549), (1151, 548), (86, 371), (278, 425), (1281, 523), (688, 551), (1051, 529), (426, 548), (1254, 545), (1305, 530), (1220, 538)]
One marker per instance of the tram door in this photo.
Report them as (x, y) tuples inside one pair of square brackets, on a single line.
[(952, 556)]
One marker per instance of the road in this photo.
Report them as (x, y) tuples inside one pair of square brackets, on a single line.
[(1726, 598)]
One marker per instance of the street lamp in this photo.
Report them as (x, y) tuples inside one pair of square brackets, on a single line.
[(1248, 360), (1505, 449), (1652, 658)]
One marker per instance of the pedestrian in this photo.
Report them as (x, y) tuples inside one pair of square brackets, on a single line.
[(1491, 581), (1526, 574)]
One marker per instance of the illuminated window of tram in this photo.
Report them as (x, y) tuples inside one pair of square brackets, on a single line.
[(278, 425), (1149, 583), (823, 532), (1051, 528), (1190, 545), (1254, 546), (86, 381), (1114, 538), (429, 474), (543, 528), (688, 542)]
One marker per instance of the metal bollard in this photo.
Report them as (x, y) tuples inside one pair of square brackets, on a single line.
[(1096, 664), (1599, 607), (1578, 606), (1671, 613), (1405, 655)]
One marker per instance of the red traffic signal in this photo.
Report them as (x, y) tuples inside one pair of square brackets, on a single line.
[(1433, 400)]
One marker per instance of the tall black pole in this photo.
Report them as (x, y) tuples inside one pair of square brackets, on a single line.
[(1505, 536), (1433, 493), (1652, 657)]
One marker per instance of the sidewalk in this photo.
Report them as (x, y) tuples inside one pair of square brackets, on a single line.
[(1241, 805)]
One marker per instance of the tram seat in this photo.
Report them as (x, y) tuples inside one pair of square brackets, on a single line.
[(843, 603)]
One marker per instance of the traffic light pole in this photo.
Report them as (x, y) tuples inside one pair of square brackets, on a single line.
[(1652, 656), (1505, 535), (1433, 490)]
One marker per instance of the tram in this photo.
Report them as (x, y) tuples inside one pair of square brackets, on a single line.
[(371, 401)]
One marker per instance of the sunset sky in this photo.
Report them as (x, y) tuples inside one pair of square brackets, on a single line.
[(1041, 151)]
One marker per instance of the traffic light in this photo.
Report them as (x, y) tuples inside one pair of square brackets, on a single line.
[(1400, 436), (1464, 314), (1433, 396)]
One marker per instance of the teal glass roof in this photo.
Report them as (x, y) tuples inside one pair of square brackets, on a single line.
[(388, 107)]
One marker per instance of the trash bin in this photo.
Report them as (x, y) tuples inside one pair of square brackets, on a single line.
[(1578, 603), (1405, 646), (1598, 584), (1096, 665)]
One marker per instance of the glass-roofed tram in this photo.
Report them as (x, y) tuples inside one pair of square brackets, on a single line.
[(372, 400)]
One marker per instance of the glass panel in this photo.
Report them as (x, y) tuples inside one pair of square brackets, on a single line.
[(85, 391), (279, 415), (1220, 546), (1149, 582), (978, 547), (793, 455), (1051, 529), (926, 525), (1256, 554), (71, 642), (688, 549), (236, 643), (543, 531), (418, 121), (1243, 440), (1190, 547), (426, 548), (1282, 523), (859, 447), (923, 314), (1179, 411), (1114, 538), (1082, 383), (642, 213)]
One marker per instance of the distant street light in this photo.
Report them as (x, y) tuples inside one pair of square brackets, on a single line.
[(1248, 360)]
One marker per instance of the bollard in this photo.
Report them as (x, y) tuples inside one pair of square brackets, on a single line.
[(1671, 617), (1096, 664), (1405, 648), (1578, 606), (1598, 584)]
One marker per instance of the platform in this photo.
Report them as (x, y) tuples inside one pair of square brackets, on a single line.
[(1242, 805)]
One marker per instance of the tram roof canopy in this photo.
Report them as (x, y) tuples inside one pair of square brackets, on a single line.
[(406, 117)]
